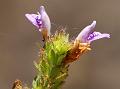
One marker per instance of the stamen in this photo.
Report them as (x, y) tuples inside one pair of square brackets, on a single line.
[(92, 35), (39, 21)]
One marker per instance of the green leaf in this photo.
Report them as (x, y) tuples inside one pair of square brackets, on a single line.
[(60, 59), (51, 71)]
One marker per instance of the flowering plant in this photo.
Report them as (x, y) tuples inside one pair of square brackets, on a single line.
[(58, 51)]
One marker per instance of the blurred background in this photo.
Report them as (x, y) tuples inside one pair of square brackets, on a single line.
[(97, 69)]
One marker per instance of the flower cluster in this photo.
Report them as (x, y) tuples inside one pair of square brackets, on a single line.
[(42, 21), (58, 52), (82, 42)]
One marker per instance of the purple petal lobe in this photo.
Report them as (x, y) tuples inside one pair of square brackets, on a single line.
[(42, 9), (97, 35), (32, 18), (83, 35), (45, 19)]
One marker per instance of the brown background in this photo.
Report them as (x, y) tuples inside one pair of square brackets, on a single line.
[(98, 69)]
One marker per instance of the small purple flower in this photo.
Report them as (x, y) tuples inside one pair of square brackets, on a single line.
[(87, 35), (40, 20)]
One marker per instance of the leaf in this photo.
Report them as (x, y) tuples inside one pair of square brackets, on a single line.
[(60, 59)]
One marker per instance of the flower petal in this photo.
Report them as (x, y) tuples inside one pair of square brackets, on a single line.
[(97, 35), (45, 19), (83, 35), (32, 18)]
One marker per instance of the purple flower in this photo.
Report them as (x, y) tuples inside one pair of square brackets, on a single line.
[(87, 35), (40, 20)]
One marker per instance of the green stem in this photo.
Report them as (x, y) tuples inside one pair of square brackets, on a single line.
[(52, 72)]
